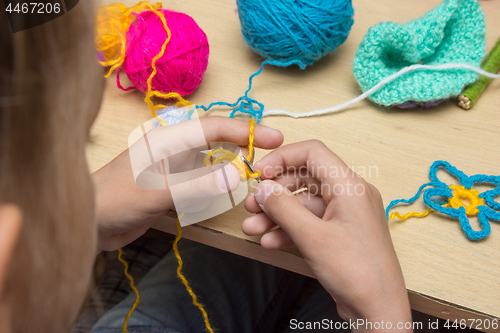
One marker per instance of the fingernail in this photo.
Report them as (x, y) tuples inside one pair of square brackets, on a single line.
[(257, 165), (271, 130), (263, 191)]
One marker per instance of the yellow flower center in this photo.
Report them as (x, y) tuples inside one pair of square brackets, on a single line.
[(459, 193)]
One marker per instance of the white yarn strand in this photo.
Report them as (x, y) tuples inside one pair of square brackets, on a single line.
[(379, 85)]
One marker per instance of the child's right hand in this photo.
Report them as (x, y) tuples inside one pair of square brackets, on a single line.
[(341, 229)]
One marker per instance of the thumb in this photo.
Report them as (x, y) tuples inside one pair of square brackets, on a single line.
[(285, 210)]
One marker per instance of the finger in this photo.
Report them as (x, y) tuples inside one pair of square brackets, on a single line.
[(244, 152), (286, 210), (309, 155), (313, 203), (320, 162), (276, 240), (257, 225), (311, 198), (224, 129), (251, 205), (296, 181)]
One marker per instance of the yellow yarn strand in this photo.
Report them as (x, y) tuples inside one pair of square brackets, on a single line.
[(251, 150), (226, 155), (219, 155), (152, 93), (411, 214), (185, 282), (459, 192), (178, 225), (250, 140), (132, 285)]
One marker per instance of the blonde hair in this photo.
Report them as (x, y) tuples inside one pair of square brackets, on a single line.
[(50, 91)]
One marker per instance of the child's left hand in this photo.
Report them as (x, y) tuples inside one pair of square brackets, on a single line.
[(125, 211)]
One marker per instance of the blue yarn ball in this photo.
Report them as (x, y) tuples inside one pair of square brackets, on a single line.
[(304, 30)]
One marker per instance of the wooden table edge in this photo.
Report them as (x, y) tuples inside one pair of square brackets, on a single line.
[(449, 311)]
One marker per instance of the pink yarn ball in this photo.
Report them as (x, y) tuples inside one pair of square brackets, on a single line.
[(185, 60)]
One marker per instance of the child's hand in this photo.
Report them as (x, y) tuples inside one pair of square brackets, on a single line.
[(339, 225), (125, 211)]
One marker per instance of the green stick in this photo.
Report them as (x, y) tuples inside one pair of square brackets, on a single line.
[(471, 94)]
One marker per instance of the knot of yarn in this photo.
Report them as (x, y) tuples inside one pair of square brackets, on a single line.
[(302, 30), (220, 155)]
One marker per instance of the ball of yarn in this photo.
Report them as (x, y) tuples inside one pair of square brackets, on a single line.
[(171, 116), (304, 30), (184, 62), (109, 27)]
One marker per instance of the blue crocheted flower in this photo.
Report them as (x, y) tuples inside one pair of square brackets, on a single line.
[(454, 32), (446, 199)]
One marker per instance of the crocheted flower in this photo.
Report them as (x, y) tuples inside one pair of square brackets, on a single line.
[(448, 199), (454, 32)]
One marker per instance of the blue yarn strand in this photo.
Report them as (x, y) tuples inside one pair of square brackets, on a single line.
[(411, 200), (246, 104)]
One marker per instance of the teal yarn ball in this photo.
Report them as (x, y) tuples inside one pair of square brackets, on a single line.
[(301, 30)]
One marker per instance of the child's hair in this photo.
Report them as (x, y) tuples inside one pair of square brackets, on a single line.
[(50, 91)]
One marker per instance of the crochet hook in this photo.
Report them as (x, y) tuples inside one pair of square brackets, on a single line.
[(250, 167)]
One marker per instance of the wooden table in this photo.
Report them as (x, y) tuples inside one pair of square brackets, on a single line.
[(446, 274)]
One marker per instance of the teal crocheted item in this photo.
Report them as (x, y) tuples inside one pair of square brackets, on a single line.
[(451, 33)]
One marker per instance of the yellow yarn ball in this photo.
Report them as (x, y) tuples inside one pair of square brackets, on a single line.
[(108, 29), (112, 23)]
